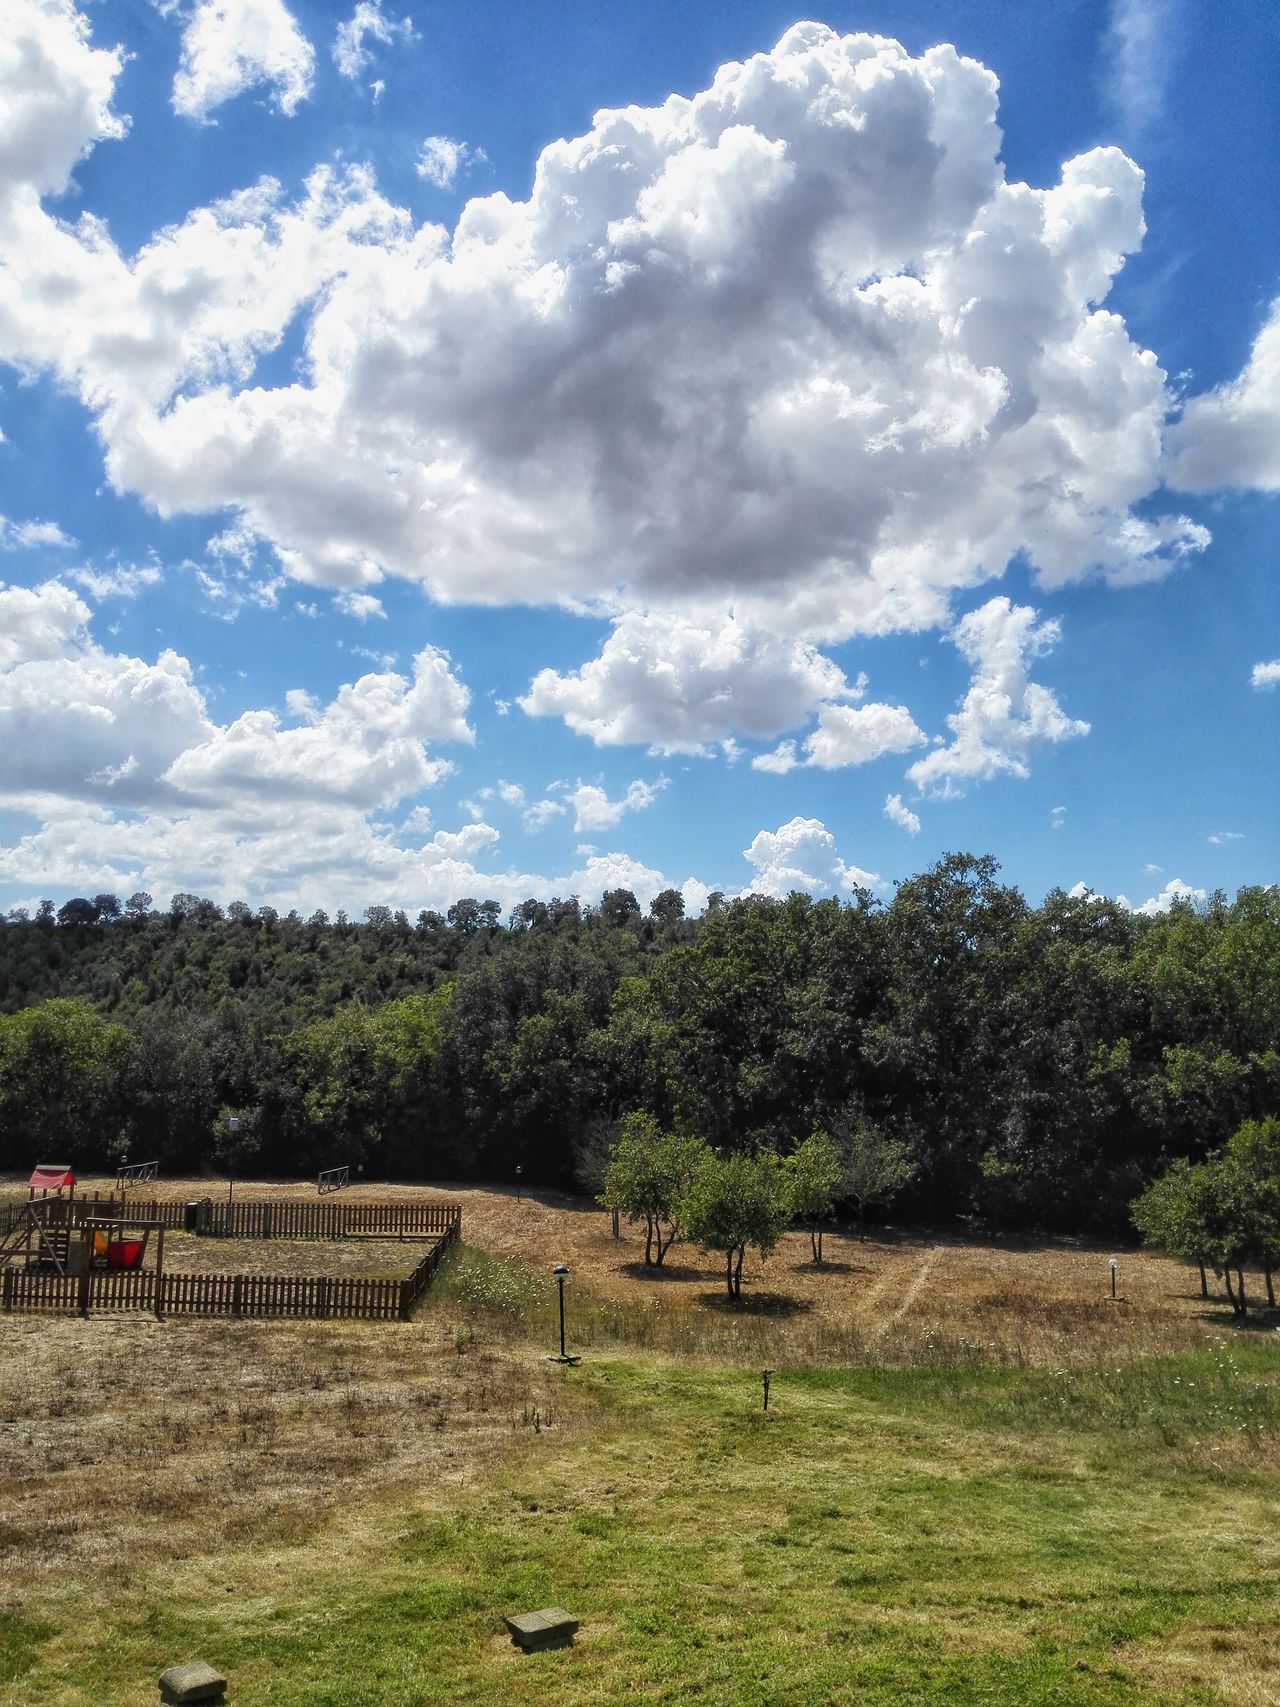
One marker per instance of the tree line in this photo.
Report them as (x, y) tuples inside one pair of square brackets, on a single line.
[(1033, 1066)]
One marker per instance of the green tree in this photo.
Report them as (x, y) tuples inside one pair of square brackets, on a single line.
[(815, 1176), (63, 1070), (732, 1202), (647, 1179), (874, 1166), (1179, 1214)]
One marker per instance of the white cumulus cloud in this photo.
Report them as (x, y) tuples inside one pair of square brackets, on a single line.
[(229, 46), (1005, 714), (802, 855), (899, 813), (367, 23), (676, 684), (1174, 890), (441, 158), (792, 348), (1266, 675), (1231, 436), (593, 809)]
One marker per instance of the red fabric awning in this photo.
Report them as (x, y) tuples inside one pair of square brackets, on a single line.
[(49, 1177)]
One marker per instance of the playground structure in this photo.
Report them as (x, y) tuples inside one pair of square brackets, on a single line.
[(136, 1173), (41, 1237), (332, 1179), (57, 1236), (86, 1254)]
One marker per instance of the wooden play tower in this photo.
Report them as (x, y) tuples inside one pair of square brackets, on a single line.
[(41, 1237)]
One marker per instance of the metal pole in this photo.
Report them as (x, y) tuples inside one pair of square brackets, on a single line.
[(560, 1278)]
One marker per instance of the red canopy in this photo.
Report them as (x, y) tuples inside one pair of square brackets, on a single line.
[(51, 1176)]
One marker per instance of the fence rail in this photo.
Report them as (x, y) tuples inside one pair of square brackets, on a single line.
[(321, 1297), (279, 1218)]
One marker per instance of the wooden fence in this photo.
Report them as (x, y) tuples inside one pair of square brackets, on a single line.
[(282, 1218), (315, 1296)]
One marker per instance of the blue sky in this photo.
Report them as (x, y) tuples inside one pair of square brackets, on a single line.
[(525, 450)]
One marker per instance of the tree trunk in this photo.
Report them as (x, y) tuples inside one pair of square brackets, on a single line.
[(1226, 1275), (728, 1271), (737, 1272), (1204, 1282), (616, 1233), (1244, 1303), (648, 1241), (815, 1241), (1271, 1291)]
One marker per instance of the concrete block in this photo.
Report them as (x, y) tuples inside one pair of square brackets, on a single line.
[(551, 1627), (190, 1684)]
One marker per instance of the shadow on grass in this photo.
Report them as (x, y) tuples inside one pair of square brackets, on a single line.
[(640, 1270), (776, 1304), (827, 1266)]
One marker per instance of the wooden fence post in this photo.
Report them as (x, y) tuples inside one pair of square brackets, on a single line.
[(86, 1280), (8, 1290), (237, 1294), (266, 1220)]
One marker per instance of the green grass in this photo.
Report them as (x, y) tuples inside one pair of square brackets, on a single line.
[(944, 1535)]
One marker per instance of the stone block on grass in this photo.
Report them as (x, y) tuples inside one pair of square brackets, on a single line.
[(194, 1684), (552, 1627)]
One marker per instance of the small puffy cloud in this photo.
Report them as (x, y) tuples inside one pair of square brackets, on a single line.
[(124, 581), (676, 684), (39, 622), (362, 606), (440, 159), (1004, 715), (1057, 817), (1231, 436), (229, 46), (367, 23), (1266, 675), (1219, 837), (1174, 890), (27, 536), (897, 812), (856, 734), (593, 810), (802, 854), (782, 759)]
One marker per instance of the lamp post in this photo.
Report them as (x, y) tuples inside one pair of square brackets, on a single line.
[(1113, 1265), (519, 1176), (561, 1273), (233, 1127)]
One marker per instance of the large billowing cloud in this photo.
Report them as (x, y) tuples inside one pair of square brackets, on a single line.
[(793, 343)]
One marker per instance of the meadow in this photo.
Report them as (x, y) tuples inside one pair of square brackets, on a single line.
[(979, 1480)]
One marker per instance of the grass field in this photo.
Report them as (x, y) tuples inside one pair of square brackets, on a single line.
[(979, 1481)]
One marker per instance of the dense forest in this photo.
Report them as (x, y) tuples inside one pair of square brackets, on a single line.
[(1043, 1064)]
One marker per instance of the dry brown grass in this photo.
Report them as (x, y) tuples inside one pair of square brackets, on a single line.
[(890, 1297), (122, 1435)]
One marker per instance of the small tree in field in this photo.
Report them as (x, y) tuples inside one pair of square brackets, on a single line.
[(646, 1177), (875, 1167), (1179, 1214), (735, 1201), (1224, 1212), (815, 1176)]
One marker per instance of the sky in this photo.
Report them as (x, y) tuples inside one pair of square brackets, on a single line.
[(526, 450)]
